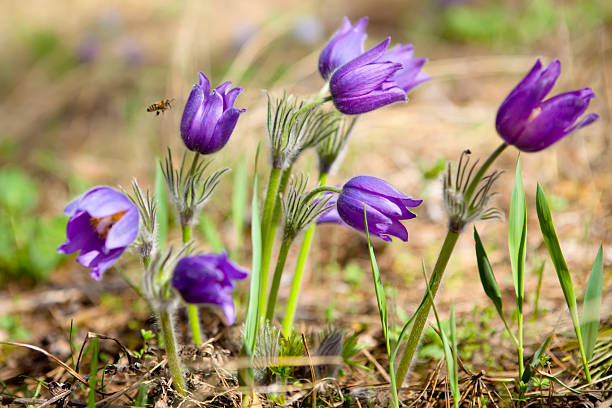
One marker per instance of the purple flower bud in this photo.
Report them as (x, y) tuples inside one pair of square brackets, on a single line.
[(384, 204), (208, 279), (345, 45), (376, 78), (209, 118), (103, 222), (531, 123)]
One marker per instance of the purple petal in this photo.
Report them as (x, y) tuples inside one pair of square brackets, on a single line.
[(102, 262), (553, 122), (125, 231), (230, 97), (369, 102), (345, 45), (202, 128), (223, 130), (379, 186), (193, 105), (351, 212), (204, 84), (367, 57), (362, 80)]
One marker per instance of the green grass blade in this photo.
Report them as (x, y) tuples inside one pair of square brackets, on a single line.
[(451, 364), (162, 206), (517, 235), (382, 309), (589, 321), (239, 205), (563, 274), (209, 230), (455, 383)]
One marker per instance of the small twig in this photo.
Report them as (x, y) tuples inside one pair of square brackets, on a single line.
[(379, 367), (312, 372), (51, 356)]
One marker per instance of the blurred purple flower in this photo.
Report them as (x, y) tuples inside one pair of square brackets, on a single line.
[(345, 45), (384, 204), (208, 279), (88, 49), (308, 29), (376, 78), (103, 222), (209, 118), (531, 123)]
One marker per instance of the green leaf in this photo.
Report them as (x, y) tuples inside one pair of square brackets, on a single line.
[(487, 278), (455, 377), (252, 317), (554, 249), (161, 197), (517, 235), (209, 229), (589, 321), (535, 360), (563, 274), (239, 204)]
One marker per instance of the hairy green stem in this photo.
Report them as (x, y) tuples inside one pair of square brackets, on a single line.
[(266, 252), (519, 348), (421, 319), (299, 272), (443, 258), (278, 273), (165, 321), (192, 310)]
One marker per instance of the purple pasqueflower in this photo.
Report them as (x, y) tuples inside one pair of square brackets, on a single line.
[(345, 45), (209, 118), (375, 78), (531, 123), (384, 205), (103, 222), (208, 279)]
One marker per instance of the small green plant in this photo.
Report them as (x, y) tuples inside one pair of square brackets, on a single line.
[(146, 336), (27, 243)]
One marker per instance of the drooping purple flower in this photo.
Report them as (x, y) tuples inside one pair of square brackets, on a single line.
[(208, 279), (384, 204), (209, 118), (346, 44), (531, 123), (103, 222), (376, 78)]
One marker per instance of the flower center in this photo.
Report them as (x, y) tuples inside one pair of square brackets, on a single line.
[(534, 114), (102, 225)]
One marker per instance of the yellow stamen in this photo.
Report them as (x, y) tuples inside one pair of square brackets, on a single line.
[(102, 225), (534, 114)]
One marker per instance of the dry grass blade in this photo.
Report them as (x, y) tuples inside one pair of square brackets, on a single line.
[(49, 355), (58, 397)]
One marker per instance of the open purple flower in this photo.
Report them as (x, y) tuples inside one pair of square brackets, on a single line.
[(384, 204), (531, 123), (103, 222), (345, 45), (375, 78), (209, 118), (208, 279)]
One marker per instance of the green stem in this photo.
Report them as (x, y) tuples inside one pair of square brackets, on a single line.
[(278, 273), (299, 272), (192, 310), (266, 252), (421, 318), (443, 258), (165, 321), (585, 362), (186, 230), (519, 348), (278, 204), (483, 169)]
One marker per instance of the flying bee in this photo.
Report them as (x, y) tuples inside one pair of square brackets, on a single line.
[(161, 106)]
